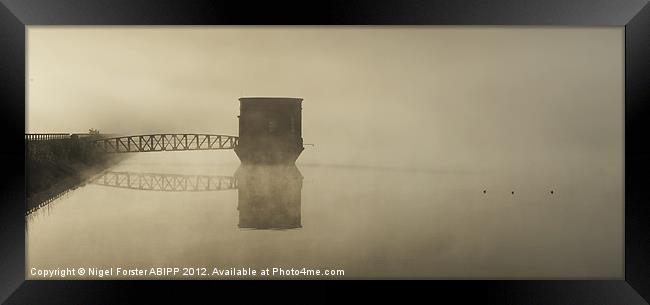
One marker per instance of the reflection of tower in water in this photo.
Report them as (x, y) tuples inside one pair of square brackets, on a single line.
[(269, 197)]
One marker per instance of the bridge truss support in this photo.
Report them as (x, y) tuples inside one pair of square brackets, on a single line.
[(166, 142)]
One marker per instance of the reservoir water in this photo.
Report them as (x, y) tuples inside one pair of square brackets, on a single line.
[(199, 209)]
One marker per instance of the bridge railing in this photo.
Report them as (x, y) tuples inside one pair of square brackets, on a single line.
[(46, 136)]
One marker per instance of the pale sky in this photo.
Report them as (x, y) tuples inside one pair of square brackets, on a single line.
[(432, 97)]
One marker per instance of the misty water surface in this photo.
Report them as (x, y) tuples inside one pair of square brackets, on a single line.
[(371, 222)]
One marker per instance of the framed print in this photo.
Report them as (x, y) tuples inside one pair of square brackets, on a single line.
[(491, 152)]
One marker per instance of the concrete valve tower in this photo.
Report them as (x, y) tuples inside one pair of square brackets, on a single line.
[(270, 130)]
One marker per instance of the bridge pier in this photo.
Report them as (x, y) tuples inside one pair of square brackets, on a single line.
[(270, 130)]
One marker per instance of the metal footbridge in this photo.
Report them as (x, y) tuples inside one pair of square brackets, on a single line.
[(166, 142)]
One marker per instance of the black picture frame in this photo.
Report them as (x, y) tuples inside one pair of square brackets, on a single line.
[(634, 15)]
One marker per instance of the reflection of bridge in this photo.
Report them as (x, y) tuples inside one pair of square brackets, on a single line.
[(165, 182), (166, 142), (269, 197)]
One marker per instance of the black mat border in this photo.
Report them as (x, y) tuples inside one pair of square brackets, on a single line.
[(633, 14)]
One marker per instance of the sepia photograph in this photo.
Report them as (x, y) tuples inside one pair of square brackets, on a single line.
[(324, 152)]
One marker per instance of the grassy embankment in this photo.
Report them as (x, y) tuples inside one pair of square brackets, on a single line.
[(54, 166)]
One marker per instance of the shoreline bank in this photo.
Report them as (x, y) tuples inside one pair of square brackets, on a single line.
[(56, 166)]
